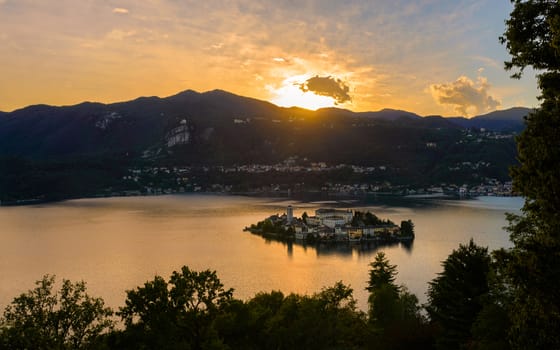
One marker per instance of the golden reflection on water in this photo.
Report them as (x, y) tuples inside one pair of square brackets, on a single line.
[(115, 244)]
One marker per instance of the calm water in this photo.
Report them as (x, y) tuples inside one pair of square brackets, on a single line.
[(115, 244)]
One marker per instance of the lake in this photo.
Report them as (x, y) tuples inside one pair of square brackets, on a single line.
[(116, 244)]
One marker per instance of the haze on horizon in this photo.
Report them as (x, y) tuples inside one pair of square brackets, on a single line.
[(428, 57)]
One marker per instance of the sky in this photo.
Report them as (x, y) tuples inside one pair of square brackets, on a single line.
[(431, 57)]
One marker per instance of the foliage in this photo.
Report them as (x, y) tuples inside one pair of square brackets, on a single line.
[(325, 320), (532, 35), (368, 219), (25, 179), (532, 267), (455, 296), (381, 273), (269, 226), (407, 228), (304, 217), (178, 312), (194, 311), (490, 329), (394, 314), (43, 319)]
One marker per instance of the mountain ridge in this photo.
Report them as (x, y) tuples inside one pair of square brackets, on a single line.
[(219, 122), (190, 93)]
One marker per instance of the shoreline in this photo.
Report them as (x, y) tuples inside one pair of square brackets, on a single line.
[(254, 194)]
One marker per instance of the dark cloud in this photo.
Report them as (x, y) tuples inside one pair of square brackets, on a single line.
[(327, 86), (464, 94)]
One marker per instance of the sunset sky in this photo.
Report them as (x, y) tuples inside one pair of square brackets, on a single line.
[(425, 56)]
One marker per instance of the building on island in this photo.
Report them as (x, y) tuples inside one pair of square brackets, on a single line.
[(333, 221), (328, 225), (290, 214), (323, 213)]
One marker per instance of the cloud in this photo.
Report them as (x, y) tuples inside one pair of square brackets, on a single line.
[(465, 95), (118, 34), (118, 10), (327, 86)]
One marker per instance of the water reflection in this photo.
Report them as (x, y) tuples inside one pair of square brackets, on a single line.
[(342, 249)]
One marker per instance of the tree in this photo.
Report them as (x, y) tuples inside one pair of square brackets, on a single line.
[(179, 312), (381, 273), (455, 296), (532, 266), (384, 293), (532, 36), (394, 313), (43, 319), (325, 320), (407, 228), (490, 330)]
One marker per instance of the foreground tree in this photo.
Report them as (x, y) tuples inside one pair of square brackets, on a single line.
[(43, 319), (175, 314), (532, 267), (455, 297), (382, 273), (394, 314), (325, 320), (491, 327)]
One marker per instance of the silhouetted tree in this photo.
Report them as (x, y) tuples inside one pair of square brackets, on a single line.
[(179, 312), (455, 296), (491, 327), (394, 313), (304, 217), (407, 228), (532, 38), (43, 319), (381, 273), (326, 320)]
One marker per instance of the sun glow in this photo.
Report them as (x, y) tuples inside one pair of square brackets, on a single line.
[(290, 94)]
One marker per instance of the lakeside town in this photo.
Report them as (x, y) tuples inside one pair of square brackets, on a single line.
[(333, 225), (286, 179), (295, 174), (167, 180)]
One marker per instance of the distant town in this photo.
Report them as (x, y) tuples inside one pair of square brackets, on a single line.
[(167, 180), (288, 179), (333, 225)]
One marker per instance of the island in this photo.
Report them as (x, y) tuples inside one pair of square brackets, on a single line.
[(333, 225)]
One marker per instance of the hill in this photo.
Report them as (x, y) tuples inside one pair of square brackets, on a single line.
[(507, 120), (218, 119), (80, 148)]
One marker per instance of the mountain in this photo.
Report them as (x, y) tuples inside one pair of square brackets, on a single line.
[(391, 115), (221, 127), (87, 149), (384, 114), (89, 128), (506, 120)]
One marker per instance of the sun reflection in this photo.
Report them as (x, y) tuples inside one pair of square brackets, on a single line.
[(289, 94)]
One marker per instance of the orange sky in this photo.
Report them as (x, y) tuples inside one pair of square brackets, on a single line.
[(428, 56)]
